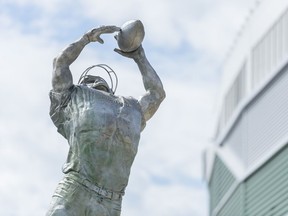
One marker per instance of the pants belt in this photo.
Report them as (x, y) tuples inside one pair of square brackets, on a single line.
[(99, 190)]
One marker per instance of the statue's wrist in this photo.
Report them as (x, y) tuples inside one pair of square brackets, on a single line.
[(139, 58), (86, 39)]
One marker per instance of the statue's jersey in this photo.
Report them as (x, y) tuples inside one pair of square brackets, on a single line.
[(103, 132)]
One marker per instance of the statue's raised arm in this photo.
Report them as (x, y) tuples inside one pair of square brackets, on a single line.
[(155, 93), (62, 78)]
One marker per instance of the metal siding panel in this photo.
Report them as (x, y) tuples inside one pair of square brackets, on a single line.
[(237, 138), (221, 181), (267, 119), (282, 209), (272, 169), (263, 123), (234, 205), (266, 191)]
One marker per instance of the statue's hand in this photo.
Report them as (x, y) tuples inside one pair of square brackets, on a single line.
[(137, 54), (94, 34)]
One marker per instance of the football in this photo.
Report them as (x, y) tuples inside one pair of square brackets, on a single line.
[(130, 36)]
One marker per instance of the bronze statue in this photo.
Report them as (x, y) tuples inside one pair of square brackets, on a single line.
[(102, 129)]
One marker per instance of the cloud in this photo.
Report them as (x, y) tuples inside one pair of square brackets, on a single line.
[(184, 42), (169, 201)]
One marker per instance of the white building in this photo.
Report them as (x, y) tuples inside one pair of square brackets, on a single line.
[(246, 168)]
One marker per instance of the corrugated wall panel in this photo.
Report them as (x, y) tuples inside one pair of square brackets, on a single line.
[(221, 181), (267, 119), (266, 191), (282, 209), (262, 124), (234, 206), (237, 138)]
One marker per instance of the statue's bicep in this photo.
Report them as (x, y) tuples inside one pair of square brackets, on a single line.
[(149, 105), (61, 79)]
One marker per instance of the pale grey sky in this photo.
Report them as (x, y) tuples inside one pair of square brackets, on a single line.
[(185, 41)]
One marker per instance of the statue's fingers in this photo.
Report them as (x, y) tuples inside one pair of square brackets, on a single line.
[(100, 40), (122, 53), (118, 51), (115, 28), (111, 29)]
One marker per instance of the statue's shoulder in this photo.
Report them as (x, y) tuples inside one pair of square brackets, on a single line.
[(132, 103), (129, 100), (80, 90)]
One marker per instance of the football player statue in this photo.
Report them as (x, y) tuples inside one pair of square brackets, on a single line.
[(102, 129)]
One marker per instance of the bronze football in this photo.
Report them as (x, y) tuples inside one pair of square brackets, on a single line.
[(131, 35)]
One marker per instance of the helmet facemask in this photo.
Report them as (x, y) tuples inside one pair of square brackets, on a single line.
[(98, 82)]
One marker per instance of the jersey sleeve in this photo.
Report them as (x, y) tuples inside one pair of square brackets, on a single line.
[(136, 104), (59, 101)]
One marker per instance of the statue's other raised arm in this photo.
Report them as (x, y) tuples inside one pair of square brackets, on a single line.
[(62, 78), (155, 93)]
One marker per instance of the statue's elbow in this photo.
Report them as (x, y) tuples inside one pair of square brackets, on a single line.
[(159, 95), (60, 60), (56, 61), (162, 95)]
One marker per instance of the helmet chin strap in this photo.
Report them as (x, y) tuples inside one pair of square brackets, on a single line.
[(109, 71)]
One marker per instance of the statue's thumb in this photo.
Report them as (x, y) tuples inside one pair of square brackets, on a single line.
[(100, 40), (118, 51)]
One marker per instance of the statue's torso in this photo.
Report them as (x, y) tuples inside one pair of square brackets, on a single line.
[(103, 132)]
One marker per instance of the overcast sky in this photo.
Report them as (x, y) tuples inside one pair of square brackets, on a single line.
[(186, 41)]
